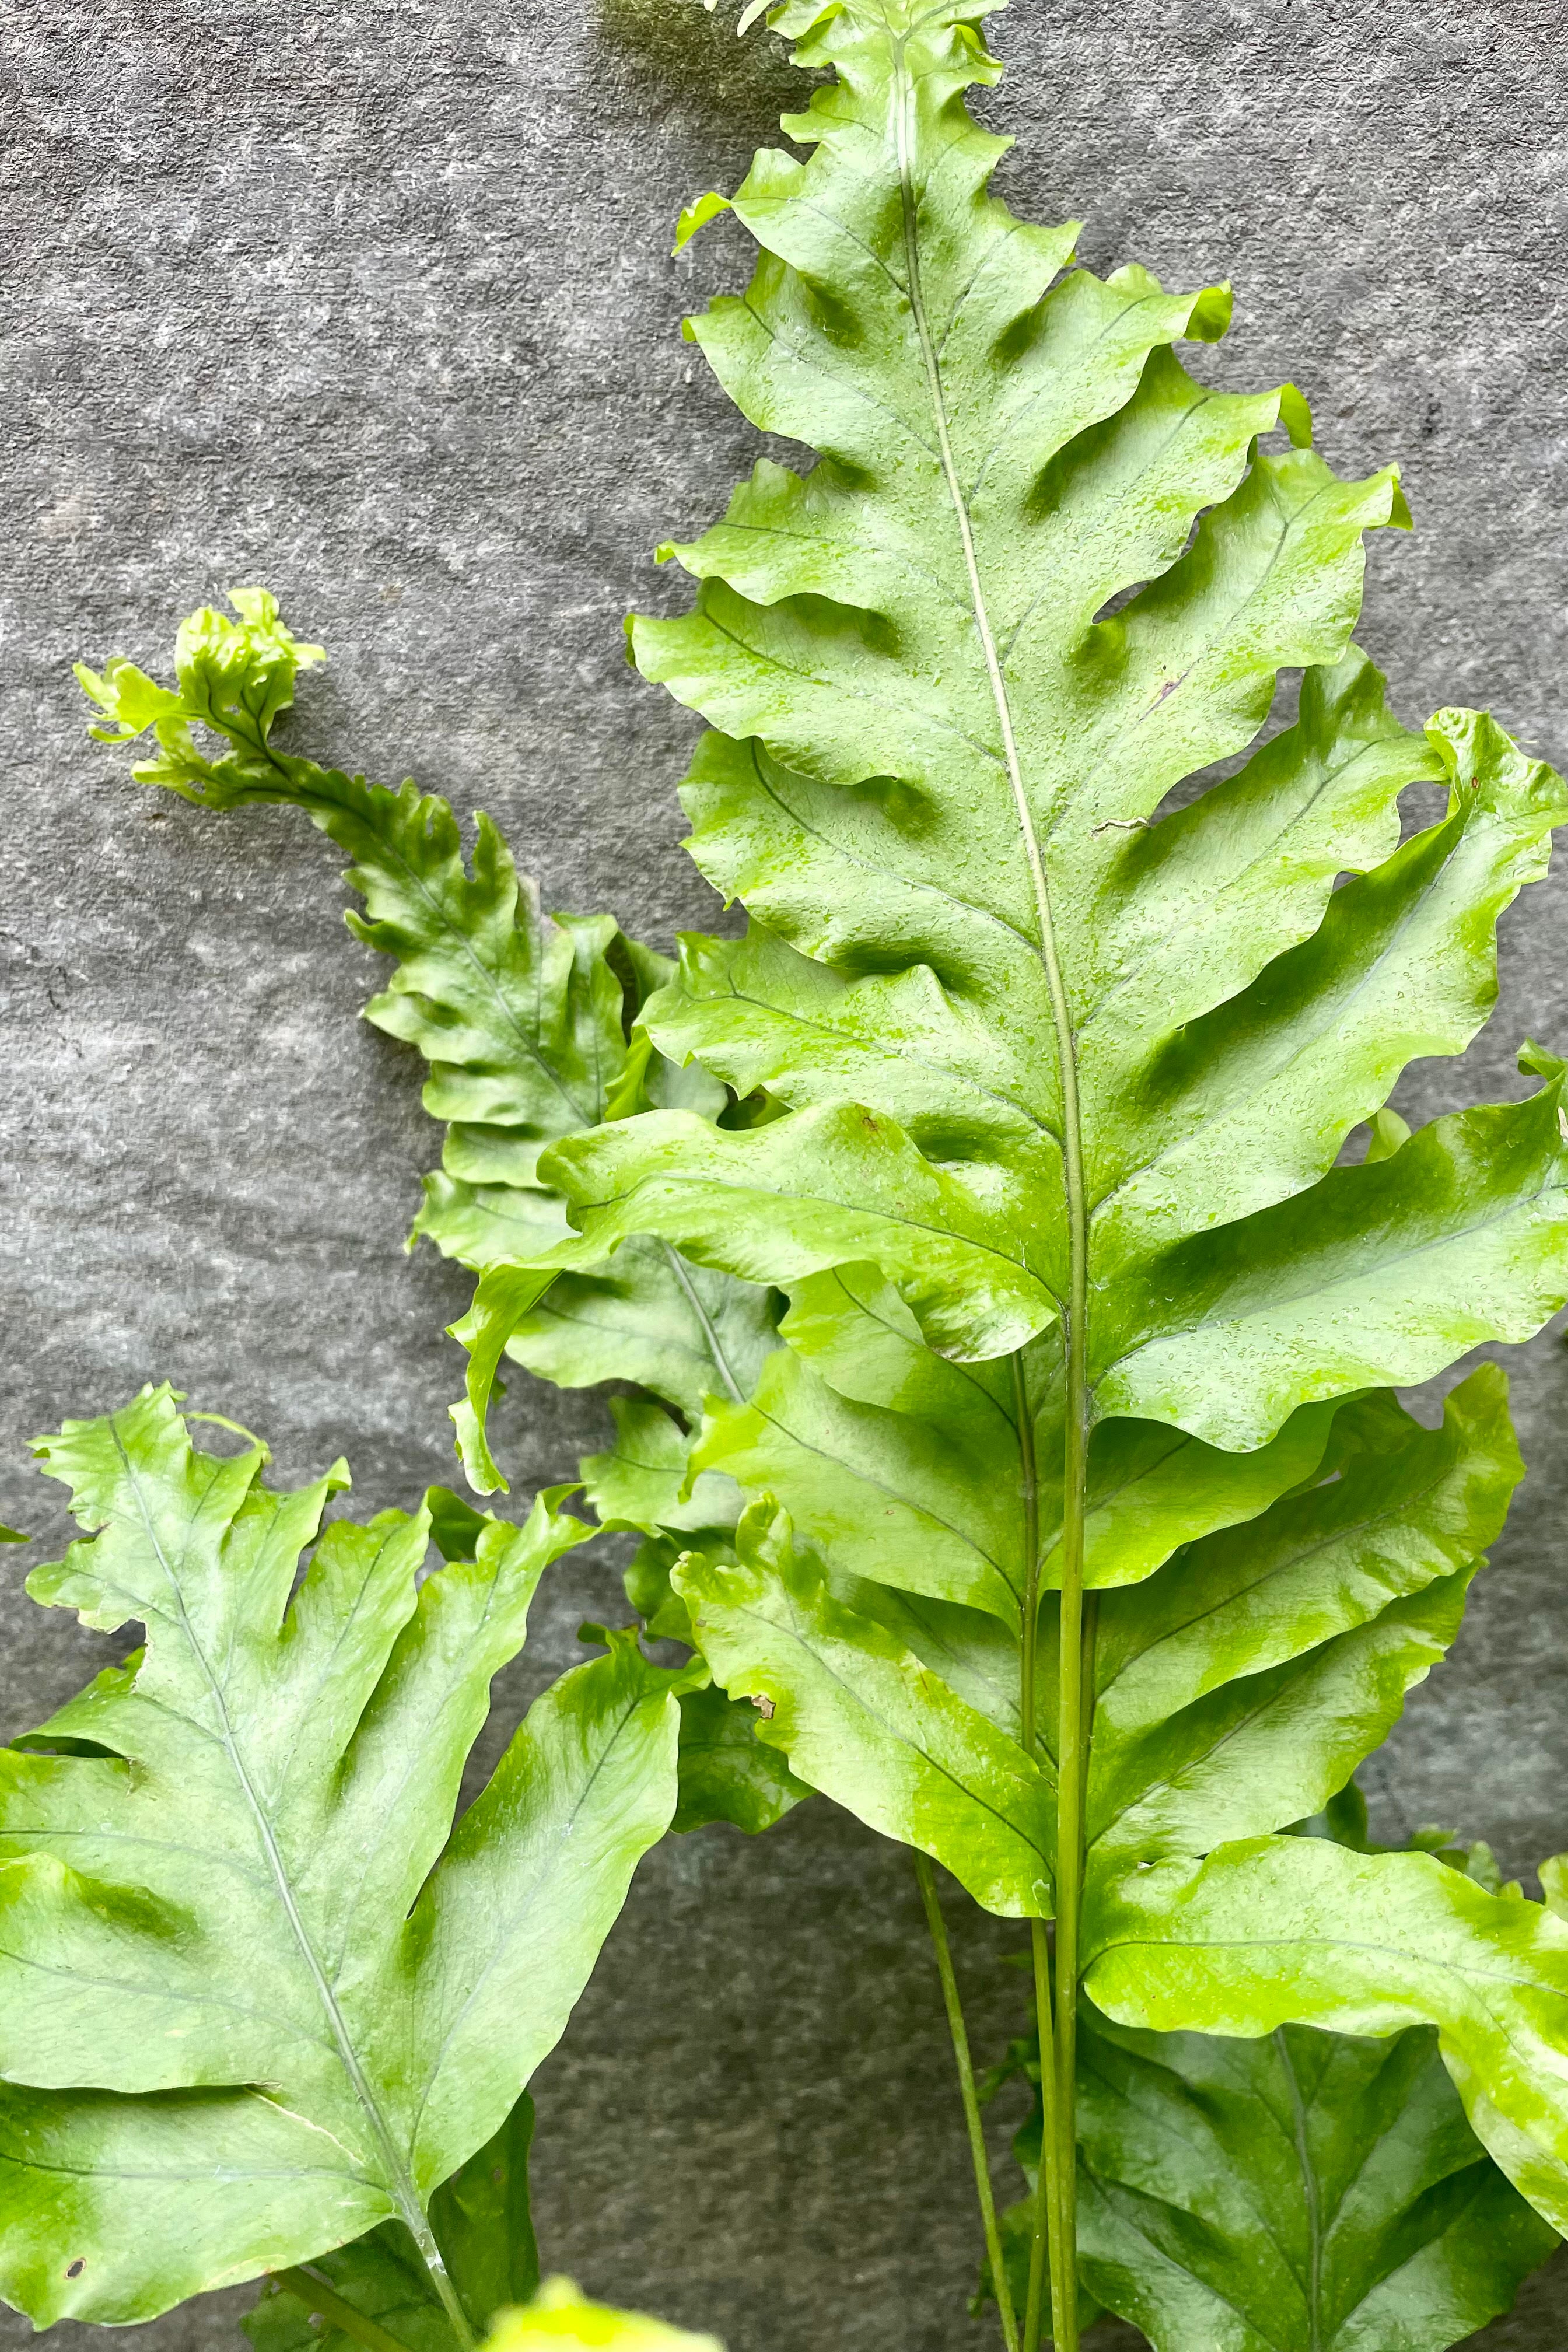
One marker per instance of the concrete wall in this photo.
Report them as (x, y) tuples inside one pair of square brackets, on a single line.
[(372, 302)]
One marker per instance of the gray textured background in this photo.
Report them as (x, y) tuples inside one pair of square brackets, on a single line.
[(371, 303)]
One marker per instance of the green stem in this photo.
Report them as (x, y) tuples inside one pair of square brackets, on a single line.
[(1030, 1604), (1076, 1706), (317, 2297), (419, 2230), (1044, 2230), (959, 2035), (1047, 2230), (1072, 1730)]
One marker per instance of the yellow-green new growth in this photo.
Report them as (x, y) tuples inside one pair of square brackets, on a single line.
[(560, 2315)]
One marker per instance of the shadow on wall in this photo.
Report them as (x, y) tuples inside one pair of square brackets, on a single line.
[(1535, 2322), (746, 83)]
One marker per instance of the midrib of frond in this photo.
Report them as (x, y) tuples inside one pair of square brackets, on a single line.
[(398, 2180), (1047, 950)]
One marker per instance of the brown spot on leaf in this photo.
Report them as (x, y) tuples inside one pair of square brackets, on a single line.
[(764, 1707)]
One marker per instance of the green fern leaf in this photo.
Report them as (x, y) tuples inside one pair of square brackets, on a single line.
[(1275, 1930), (1302, 2192), (249, 1965), (1111, 1053), (1308, 2190), (1068, 1038), (522, 1018)]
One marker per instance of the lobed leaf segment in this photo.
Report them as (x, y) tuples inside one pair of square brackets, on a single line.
[(1305, 2191), (261, 1998), (527, 1024)]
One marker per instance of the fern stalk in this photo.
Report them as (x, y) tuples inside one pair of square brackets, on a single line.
[(1072, 1735), (1075, 1676), (1047, 2235), (965, 2063)]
